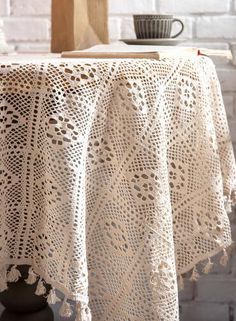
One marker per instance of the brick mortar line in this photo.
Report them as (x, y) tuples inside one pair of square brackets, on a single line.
[(11, 6), (25, 17), (184, 14)]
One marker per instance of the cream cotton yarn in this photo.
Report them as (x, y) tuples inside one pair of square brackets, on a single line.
[(115, 175)]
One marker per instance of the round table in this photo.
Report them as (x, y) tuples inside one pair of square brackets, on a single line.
[(114, 178)]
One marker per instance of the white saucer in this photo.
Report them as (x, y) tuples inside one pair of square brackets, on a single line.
[(155, 42)]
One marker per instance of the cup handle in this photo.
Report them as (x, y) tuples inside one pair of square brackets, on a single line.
[(182, 27)]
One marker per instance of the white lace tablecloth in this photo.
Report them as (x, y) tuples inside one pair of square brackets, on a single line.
[(114, 176)]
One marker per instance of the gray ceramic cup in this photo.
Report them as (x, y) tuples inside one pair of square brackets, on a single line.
[(149, 26)]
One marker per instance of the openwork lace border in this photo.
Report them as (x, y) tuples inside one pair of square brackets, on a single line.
[(66, 310), (82, 309), (230, 202)]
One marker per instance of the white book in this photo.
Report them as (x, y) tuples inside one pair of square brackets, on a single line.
[(133, 51)]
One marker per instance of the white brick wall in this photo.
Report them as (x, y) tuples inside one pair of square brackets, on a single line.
[(31, 7), (27, 24), (209, 23), (131, 6), (227, 77), (190, 6), (20, 29), (4, 7), (216, 27), (201, 311), (229, 101), (216, 288)]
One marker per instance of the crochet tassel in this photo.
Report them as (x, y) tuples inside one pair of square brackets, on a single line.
[(14, 274), (195, 274), (83, 313), (181, 283), (52, 297), (228, 205), (233, 197), (224, 259), (32, 277), (40, 290), (208, 267), (65, 309)]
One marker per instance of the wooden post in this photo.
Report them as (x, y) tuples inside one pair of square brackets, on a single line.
[(78, 24)]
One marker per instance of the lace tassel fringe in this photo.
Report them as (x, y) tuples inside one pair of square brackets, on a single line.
[(32, 277), (13, 275), (195, 275), (208, 267), (40, 290), (228, 204), (83, 313), (52, 297), (233, 197), (224, 259), (65, 309)]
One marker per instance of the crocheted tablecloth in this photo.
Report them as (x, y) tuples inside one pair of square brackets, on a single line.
[(114, 178)]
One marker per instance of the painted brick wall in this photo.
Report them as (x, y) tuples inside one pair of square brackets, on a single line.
[(210, 23)]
